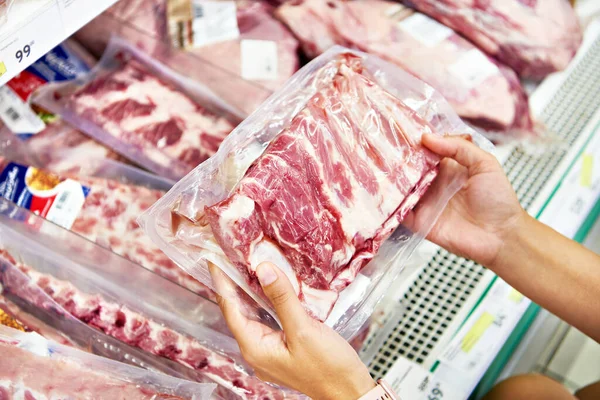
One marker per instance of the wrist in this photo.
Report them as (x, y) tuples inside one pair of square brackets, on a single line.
[(352, 390), (511, 242)]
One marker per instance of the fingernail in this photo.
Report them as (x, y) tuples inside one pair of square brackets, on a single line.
[(266, 274)]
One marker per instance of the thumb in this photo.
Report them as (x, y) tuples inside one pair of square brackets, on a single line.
[(282, 296), (462, 150)]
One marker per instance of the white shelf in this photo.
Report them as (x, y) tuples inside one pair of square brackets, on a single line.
[(35, 27)]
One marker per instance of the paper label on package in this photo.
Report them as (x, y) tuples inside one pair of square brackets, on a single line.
[(426, 30), (214, 21), (259, 60), (47, 195), (473, 68), (17, 115)]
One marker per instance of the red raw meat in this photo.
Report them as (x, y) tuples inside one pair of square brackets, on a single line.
[(329, 189), (479, 89), (139, 109), (534, 37), (20, 378), (136, 330)]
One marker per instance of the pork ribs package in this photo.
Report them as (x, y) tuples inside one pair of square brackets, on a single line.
[(317, 181), (142, 110), (70, 373), (535, 38), (482, 91), (163, 327)]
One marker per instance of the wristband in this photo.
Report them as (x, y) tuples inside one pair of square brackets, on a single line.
[(382, 391)]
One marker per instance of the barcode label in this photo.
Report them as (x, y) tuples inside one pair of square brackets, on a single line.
[(13, 114), (17, 115), (61, 201)]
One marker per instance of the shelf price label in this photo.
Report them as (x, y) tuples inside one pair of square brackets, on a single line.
[(30, 41), (492, 321), (577, 193)]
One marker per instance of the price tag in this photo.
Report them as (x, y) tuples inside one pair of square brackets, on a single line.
[(259, 60), (473, 68), (31, 42), (412, 381), (578, 192), (492, 321), (426, 30)]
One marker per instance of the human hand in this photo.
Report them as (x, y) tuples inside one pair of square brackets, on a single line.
[(480, 218), (306, 356)]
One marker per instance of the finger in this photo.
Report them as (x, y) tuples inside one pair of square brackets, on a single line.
[(282, 296), (228, 302), (459, 149)]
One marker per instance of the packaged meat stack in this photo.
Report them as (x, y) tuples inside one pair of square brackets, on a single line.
[(316, 181), (236, 48), (101, 210), (535, 38), (175, 331), (71, 373), (482, 91), (143, 111)]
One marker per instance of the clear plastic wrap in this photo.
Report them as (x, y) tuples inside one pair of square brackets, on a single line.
[(243, 64), (100, 202), (339, 145), (535, 38), (138, 107), (4, 9), (482, 91), (69, 372), (163, 327)]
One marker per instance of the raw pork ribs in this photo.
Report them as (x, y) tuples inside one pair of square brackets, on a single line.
[(534, 37), (329, 189), (174, 133)]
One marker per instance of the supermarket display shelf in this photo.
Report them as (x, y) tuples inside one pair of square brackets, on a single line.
[(462, 322), (35, 27)]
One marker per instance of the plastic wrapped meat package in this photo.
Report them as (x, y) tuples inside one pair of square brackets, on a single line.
[(482, 91), (318, 181), (100, 202), (73, 373), (163, 327), (63, 149), (535, 38), (236, 48), (142, 110)]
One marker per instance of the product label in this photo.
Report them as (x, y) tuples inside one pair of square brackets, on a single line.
[(259, 60), (17, 115), (473, 68), (426, 30), (412, 381), (194, 23), (45, 194), (486, 329)]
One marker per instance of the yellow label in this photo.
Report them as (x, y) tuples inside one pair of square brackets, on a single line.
[(515, 296), (587, 170), (475, 333), (2, 68)]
